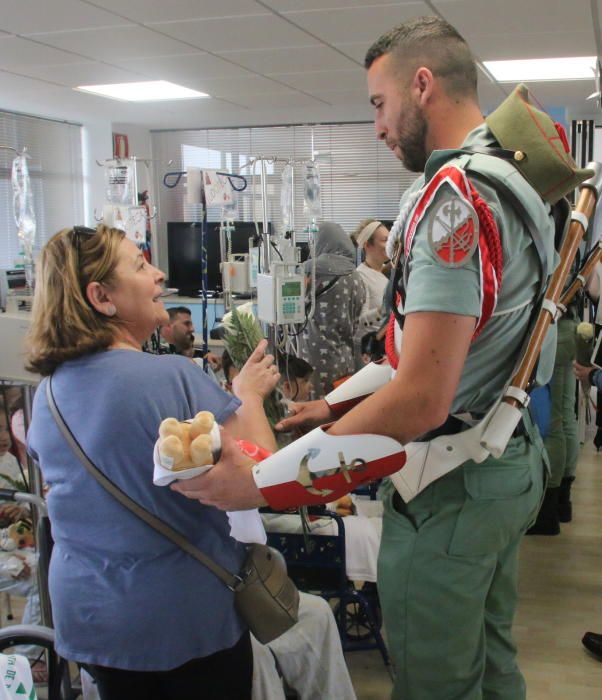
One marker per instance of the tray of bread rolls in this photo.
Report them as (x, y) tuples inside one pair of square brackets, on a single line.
[(186, 448)]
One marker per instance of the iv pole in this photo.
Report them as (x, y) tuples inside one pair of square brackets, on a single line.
[(171, 184)]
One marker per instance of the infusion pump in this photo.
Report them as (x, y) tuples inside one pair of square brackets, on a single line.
[(281, 295)]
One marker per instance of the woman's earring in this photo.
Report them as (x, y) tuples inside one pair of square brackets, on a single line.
[(111, 310)]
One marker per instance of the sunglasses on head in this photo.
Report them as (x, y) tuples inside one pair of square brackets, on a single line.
[(79, 232)]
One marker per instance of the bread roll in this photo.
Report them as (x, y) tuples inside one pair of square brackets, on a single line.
[(202, 424), (171, 451), (170, 426), (200, 450)]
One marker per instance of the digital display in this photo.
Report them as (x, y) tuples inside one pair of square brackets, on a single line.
[(291, 289)]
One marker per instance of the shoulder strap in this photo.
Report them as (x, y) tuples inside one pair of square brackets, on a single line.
[(517, 205), (152, 520)]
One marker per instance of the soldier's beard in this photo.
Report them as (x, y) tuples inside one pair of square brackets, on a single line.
[(412, 129)]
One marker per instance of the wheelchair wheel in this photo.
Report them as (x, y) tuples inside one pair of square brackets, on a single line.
[(58, 685), (357, 627)]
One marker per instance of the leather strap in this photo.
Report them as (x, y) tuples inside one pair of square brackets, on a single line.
[(503, 153), (233, 582)]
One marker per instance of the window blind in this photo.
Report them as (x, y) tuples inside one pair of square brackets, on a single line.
[(359, 176), (55, 170)]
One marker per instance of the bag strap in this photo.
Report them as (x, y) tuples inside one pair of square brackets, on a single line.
[(232, 581)]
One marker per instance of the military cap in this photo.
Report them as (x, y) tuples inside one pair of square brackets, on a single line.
[(541, 149)]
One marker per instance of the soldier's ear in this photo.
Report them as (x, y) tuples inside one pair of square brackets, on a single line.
[(422, 85)]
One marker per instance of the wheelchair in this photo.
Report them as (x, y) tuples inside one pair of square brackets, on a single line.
[(60, 685), (317, 564)]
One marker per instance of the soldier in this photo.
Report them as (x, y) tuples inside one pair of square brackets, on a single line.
[(472, 275)]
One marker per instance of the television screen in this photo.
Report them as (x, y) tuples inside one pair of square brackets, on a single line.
[(184, 254)]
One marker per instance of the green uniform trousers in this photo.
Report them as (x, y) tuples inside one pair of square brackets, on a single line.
[(562, 442), (447, 576)]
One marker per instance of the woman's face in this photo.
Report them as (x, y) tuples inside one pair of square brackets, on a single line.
[(376, 246), (136, 292)]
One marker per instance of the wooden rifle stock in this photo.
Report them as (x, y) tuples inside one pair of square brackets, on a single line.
[(585, 206), (586, 270)]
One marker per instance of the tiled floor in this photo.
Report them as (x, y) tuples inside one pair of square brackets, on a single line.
[(560, 598)]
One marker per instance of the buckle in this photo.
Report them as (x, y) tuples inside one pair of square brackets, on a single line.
[(238, 585)]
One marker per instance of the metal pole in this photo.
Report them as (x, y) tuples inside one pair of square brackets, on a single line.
[(33, 472), (204, 232), (36, 488), (227, 294), (135, 197), (266, 264), (293, 234)]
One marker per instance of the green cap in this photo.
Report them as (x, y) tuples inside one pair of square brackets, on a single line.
[(542, 153)]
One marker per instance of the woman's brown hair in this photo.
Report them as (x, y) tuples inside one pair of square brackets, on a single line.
[(64, 324)]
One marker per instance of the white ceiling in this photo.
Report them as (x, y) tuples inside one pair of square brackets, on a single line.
[(262, 61)]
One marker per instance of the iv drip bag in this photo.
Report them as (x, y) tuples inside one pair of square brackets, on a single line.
[(311, 192), (286, 197)]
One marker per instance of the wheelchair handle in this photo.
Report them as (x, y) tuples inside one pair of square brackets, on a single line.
[(23, 497)]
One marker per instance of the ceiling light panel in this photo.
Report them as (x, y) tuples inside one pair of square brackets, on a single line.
[(149, 91), (536, 69)]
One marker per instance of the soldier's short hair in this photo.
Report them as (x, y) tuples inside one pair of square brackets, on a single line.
[(434, 43)]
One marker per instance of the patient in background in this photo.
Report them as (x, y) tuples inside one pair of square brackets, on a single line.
[(296, 377), (179, 336), (10, 472)]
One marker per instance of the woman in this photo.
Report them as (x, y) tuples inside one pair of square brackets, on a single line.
[(328, 340), (370, 237), (144, 618)]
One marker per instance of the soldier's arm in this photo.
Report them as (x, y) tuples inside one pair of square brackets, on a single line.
[(419, 397)]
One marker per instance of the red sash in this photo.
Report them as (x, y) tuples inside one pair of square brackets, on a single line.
[(489, 246)]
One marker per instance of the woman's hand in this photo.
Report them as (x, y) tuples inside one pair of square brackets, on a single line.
[(306, 415), (229, 485), (258, 377)]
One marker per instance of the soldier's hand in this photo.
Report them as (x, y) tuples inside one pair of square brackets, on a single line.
[(228, 485), (306, 415)]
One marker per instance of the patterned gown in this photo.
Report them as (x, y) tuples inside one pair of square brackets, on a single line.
[(328, 341)]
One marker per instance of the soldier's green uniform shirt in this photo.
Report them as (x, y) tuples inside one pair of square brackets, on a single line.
[(434, 287), (448, 559)]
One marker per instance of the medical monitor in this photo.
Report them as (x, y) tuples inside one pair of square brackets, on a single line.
[(184, 254)]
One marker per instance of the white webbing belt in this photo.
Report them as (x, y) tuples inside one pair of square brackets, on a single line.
[(520, 395), (581, 218), (551, 308)]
